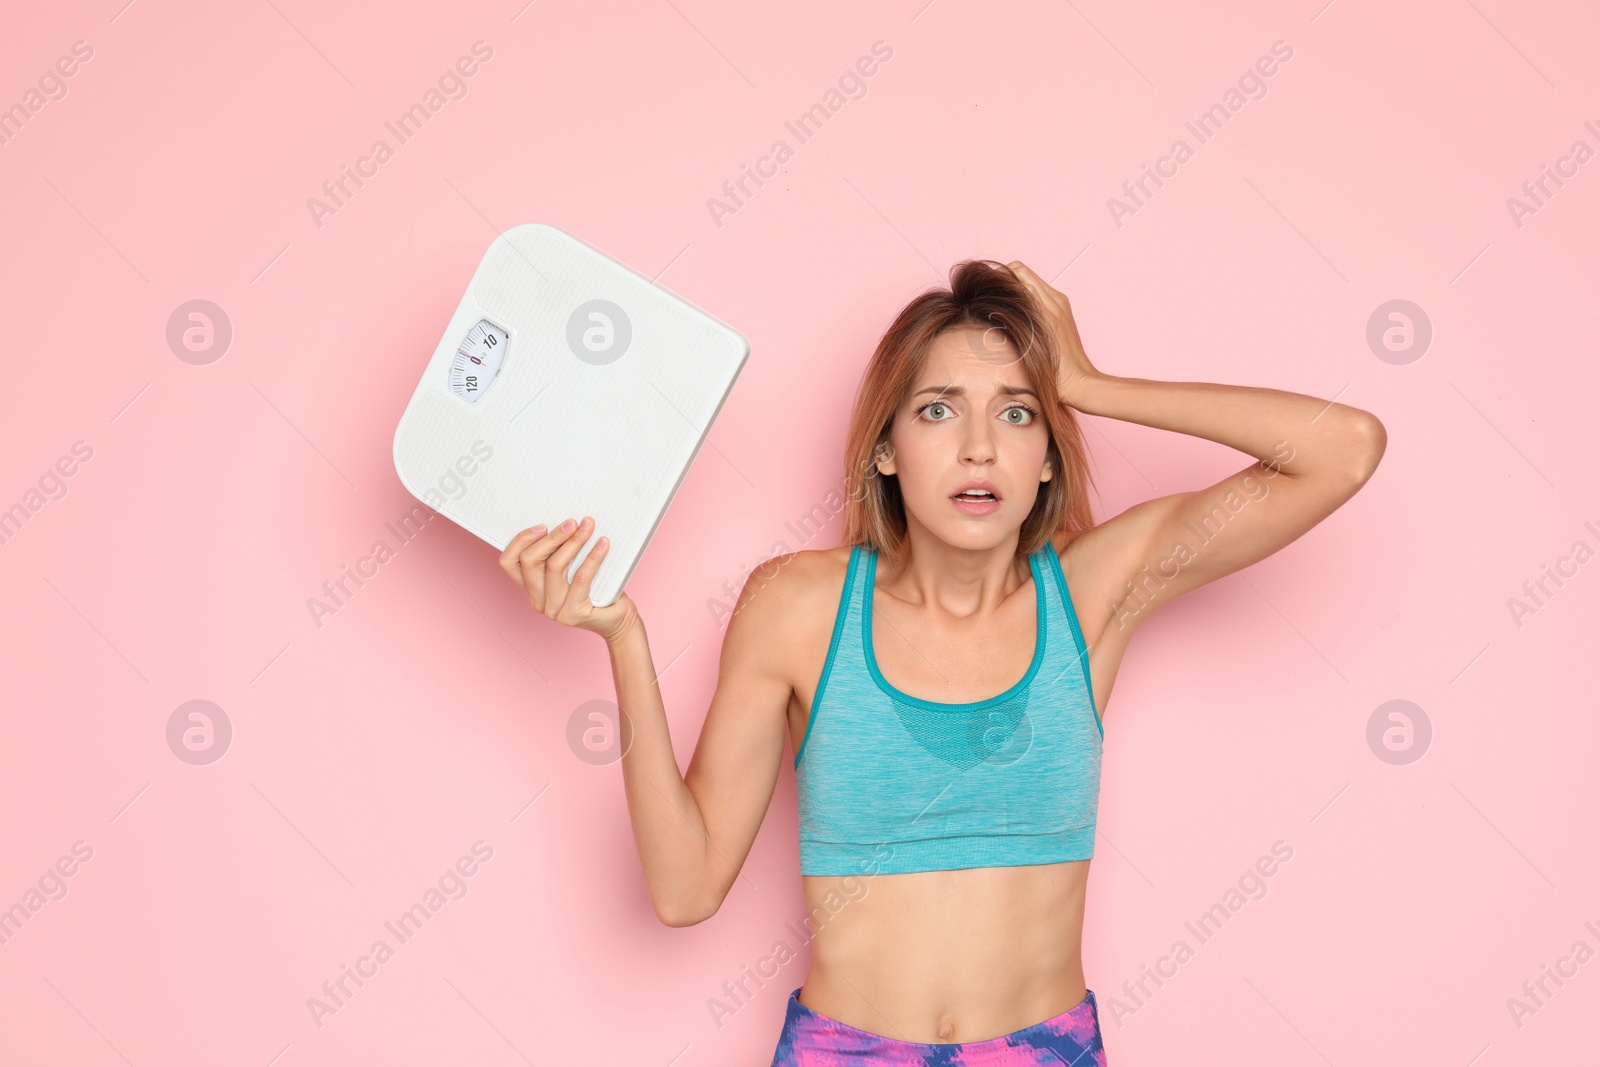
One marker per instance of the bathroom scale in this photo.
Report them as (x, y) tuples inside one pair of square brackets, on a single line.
[(566, 384)]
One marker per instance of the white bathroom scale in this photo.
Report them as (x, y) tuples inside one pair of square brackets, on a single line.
[(567, 384)]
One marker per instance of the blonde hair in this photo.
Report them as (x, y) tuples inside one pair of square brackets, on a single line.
[(985, 294)]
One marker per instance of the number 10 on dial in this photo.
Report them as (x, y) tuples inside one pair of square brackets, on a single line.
[(477, 360)]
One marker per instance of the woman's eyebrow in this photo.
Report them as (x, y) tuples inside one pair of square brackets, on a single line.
[(958, 390)]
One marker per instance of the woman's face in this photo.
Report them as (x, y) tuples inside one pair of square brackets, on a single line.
[(971, 416)]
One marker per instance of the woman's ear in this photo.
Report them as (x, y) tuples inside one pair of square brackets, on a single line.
[(1046, 475), (884, 457)]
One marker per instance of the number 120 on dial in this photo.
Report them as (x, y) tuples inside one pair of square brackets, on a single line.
[(477, 361)]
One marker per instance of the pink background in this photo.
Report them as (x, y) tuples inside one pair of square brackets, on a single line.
[(370, 753)]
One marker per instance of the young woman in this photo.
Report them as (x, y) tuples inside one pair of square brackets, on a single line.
[(943, 675)]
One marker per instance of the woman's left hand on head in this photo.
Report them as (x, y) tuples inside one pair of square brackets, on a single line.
[(1075, 372)]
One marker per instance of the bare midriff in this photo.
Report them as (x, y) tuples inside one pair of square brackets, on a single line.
[(947, 956)]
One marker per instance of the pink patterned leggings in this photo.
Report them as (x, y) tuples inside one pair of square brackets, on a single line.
[(811, 1039)]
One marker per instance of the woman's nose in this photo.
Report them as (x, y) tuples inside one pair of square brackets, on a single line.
[(978, 442)]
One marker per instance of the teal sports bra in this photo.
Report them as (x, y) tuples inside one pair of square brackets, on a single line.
[(889, 783)]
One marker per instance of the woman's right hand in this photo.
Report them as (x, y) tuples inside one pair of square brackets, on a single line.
[(537, 560)]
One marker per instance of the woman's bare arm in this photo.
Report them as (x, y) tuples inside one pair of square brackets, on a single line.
[(1311, 456), (692, 835), (693, 832)]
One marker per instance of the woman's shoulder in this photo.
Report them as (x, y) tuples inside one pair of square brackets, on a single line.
[(802, 575), (794, 593), (786, 610)]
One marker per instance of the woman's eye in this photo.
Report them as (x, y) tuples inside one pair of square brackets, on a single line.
[(935, 404), (1028, 416)]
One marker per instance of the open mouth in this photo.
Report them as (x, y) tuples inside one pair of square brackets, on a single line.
[(976, 502)]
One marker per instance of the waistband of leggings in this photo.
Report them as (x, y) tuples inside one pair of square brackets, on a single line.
[(1088, 1004)]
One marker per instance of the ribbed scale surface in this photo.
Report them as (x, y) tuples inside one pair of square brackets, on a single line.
[(569, 437)]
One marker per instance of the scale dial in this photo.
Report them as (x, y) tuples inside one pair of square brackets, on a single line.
[(477, 360)]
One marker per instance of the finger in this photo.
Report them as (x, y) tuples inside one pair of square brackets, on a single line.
[(530, 551), (584, 576), (1032, 280), (538, 549), (556, 586), (523, 539), (531, 561), (1020, 269), (513, 550)]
